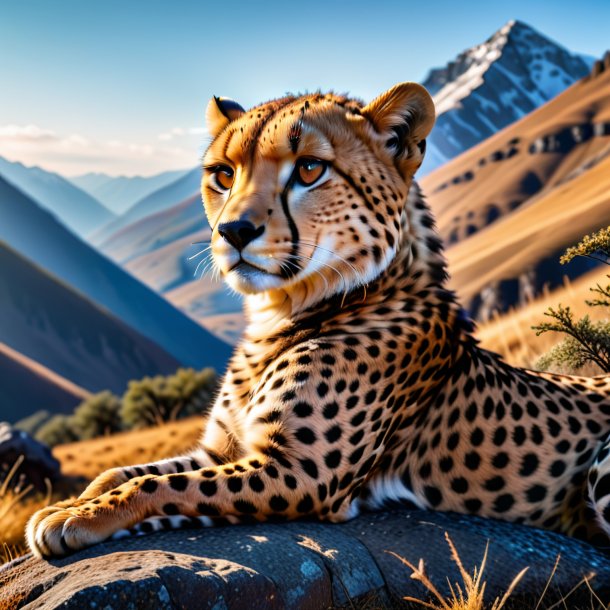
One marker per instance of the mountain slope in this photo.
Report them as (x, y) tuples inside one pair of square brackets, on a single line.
[(509, 206), (56, 326), (119, 193), (76, 209), (26, 387), (161, 199), (36, 235), (494, 84), (157, 230)]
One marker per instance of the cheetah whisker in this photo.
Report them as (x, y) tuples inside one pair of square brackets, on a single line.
[(190, 258), (283, 266), (316, 246)]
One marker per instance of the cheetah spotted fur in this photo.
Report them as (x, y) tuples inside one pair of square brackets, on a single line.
[(358, 381)]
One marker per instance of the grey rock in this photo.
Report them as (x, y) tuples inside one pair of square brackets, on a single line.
[(38, 463), (307, 564)]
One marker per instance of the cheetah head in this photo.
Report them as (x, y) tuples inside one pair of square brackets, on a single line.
[(305, 194)]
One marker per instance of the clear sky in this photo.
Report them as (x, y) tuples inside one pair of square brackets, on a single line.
[(121, 86)]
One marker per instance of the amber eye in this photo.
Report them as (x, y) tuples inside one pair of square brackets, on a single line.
[(310, 171), (224, 177)]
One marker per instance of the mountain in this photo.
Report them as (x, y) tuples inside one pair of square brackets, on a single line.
[(153, 232), (38, 236), (494, 84), (119, 193), (163, 198), (508, 207), (54, 325), (73, 207), (25, 385)]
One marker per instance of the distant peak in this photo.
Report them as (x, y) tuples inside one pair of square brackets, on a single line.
[(517, 23)]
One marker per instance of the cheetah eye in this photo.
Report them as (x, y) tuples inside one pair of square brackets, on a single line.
[(223, 176), (309, 170)]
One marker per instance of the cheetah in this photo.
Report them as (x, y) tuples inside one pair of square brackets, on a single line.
[(358, 381)]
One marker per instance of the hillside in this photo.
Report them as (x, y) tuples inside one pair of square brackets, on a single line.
[(491, 85), (73, 207), (509, 206), (119, 193), (26, 385), (155, 231), (159, 200), (50, 323), (39, 237)]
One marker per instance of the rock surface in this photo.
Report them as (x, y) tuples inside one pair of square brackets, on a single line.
[(308, 565)]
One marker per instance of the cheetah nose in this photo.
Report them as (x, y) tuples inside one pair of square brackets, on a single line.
[(239, 233)]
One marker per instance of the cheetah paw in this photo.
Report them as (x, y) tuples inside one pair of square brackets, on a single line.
[(66, 527)]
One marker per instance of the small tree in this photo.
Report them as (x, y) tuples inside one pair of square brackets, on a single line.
[(98, 415), (153, 400), (586, 341), (57, 430)]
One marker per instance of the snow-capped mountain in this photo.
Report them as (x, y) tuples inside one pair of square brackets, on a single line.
[(493, 84)]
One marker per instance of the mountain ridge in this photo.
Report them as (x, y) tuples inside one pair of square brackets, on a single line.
[(35, 234), (159, 200), (119, 193), (75, 208)]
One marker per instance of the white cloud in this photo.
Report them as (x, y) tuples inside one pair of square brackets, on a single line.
[(75, 153), (180, 132), (25, 133)]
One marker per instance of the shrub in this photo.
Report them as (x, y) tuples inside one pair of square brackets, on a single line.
[(153, 400), (57, 430), (98, 415), (586, 341)]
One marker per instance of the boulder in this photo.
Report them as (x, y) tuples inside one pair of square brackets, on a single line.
[(308, 564), (38, 463)]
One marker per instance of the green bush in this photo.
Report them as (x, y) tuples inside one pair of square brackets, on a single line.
[(98, 415), (57, 430), (153, 400), (585, 341)]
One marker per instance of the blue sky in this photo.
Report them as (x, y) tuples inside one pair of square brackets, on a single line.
[(121, 86)]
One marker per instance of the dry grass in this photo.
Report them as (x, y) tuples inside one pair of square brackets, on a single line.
[(470, 597), (470, 594), (81, 462)]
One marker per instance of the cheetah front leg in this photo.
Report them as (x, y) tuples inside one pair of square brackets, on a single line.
[(112, 478), (295, 467), (218, 446), (256, 488)]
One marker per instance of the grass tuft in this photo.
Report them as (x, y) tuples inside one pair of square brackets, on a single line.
[(467, 596)]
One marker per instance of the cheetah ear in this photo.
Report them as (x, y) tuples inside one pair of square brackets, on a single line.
[(405, 114), (220, 112)]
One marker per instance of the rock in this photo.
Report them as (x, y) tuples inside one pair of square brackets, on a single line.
[(38, 463), (307, 564)]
